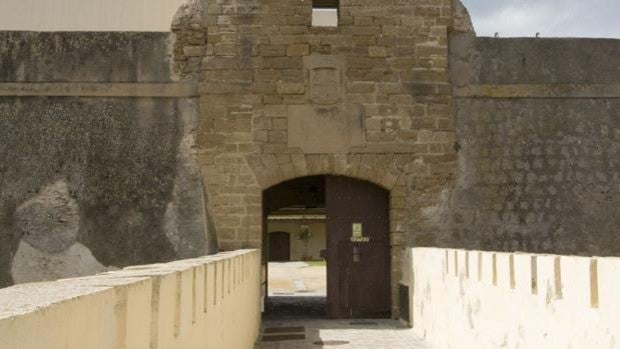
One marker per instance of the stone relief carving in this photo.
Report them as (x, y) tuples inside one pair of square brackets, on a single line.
[(324, 79), (325, 124), (325, 85)]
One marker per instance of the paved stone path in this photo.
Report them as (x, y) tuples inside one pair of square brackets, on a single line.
[(297, 278), (360, 334), (297, 319), (295, 308)]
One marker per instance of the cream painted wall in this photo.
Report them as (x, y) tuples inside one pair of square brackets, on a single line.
[(315, 245), (209, 302), (88, 15), (471, 299)]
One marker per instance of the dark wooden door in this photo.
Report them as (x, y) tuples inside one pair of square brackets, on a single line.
[(279, 247), (358, 260)]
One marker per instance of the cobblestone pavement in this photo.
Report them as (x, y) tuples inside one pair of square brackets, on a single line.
[(351, 334)]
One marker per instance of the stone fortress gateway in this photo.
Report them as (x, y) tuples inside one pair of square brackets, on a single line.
[(123, 148)]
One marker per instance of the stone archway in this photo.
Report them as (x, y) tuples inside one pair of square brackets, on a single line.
[(235, 184), (235, 180), (275, 107), (342, 203)]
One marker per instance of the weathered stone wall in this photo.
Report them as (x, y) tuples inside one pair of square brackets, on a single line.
[(369, 99), (538, 128), (87, 183), (503, 144)]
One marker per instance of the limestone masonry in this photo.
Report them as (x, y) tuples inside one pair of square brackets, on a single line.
[(483, 143), (369, 99)]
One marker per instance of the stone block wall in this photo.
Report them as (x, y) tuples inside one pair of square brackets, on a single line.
[(500, 144), (369, 99), (538, 129)]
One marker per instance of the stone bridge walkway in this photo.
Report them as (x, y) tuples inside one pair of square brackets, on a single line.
[(297, 320), (344, 334)]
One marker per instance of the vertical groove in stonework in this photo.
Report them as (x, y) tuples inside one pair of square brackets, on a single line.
[(215, 282), (243, 268), (241, 263), (240, 269), (456, 264), (467, 264), (234, 262), (194, 291), (594, 300), (479, 266), (557, 271), (120, 312), (513, 282), (206, 288), (494, 269), (223, 279), (230, 276), (534, 274), (155, 289), (177, 303)]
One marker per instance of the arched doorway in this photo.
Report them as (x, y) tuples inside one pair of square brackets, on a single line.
[(357, 246)]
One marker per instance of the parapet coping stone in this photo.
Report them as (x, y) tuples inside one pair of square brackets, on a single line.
[(29, 298)]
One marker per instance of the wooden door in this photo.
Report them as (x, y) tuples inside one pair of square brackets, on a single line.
[(279, 247), (358, 249)]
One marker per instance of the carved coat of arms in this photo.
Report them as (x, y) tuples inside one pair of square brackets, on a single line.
[(324, 79), (325, 85)]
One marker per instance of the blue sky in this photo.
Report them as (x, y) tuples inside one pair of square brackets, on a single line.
[(552, 18)]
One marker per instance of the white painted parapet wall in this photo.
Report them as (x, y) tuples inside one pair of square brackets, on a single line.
[(210, 302), (470, 299)]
